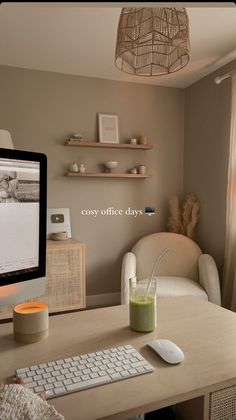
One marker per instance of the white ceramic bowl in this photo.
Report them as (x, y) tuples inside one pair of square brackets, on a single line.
[(111, 164)]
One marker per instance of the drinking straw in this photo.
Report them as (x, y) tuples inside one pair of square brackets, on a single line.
[(159, 257)]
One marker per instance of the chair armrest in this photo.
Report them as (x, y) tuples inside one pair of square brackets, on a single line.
[(209, 278), (128, 270)]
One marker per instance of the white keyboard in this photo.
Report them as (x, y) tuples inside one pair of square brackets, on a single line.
[(60, 377)]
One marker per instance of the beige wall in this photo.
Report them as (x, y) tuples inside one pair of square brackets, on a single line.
[(207, 126), (41, 109)]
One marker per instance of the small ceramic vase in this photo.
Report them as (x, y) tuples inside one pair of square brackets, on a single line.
[(82, 168), (74, 167), (143, 140), (142, 169)]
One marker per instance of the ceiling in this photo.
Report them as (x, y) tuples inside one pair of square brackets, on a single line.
[(81, 41)]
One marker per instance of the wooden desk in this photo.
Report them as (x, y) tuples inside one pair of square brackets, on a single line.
[(205, 332)]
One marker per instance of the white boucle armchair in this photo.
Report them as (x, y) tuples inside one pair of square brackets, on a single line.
[(183, 271)]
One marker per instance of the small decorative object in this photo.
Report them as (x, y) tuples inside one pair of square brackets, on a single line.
[(152, 41), (30, 322), (183, 221), (110, 166), (108, 128), (78, 137), (59, 236), (134, 171), (133, 141), (142, 169), (58, 220), (82, 168), (143, 140), (74, 167)]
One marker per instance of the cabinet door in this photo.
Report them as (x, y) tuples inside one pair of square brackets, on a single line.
[(65, 279)]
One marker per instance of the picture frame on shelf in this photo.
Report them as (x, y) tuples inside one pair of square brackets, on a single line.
[(108, 128)]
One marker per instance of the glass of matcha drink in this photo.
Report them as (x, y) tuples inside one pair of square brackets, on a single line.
[(142, 305)]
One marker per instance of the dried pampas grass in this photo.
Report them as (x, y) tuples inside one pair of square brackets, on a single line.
[(174, 219), (185, 221)]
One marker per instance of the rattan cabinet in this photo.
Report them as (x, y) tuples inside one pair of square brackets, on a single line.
[(217, 405), (65, 276)]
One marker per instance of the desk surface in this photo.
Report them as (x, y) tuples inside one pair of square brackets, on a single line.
[(205, 332)]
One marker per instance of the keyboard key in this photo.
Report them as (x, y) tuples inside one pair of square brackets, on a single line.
[(38, 389), (69, 375), (57, 373), (42, 365), (72, 369), (84, 377), (51, 364), (50, 393), (58, 384), (116, 376), (124, 373), (46, 375), (27, 380), (103, 373), (89, 365), (133, 371), (148, 368), (66, 365), (86, 371), (39, 371), (67, 382), (38, 377), (140, 369), (60, 390), (30, 374), (87, 384), (31, 384), (138, 364), (23, 370), (51, 380), (42, 382), (48, 386), (77, 379)]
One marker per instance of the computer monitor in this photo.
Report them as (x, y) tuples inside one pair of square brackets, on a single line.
[(23, 190)]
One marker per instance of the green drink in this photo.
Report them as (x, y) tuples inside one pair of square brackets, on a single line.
[(142, 307)]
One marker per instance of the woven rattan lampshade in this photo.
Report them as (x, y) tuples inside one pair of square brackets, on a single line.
[(152, 41)]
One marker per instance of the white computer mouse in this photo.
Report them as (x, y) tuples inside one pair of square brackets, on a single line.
[(167, 350)]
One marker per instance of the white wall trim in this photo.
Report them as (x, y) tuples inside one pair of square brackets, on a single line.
[(103, 300)]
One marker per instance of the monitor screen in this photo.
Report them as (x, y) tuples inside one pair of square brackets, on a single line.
[(22, 216)]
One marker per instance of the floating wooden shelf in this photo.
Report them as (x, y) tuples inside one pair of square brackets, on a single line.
[(107, 175), (78, 143)]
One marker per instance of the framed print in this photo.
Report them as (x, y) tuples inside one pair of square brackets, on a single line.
[(108, 128)]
